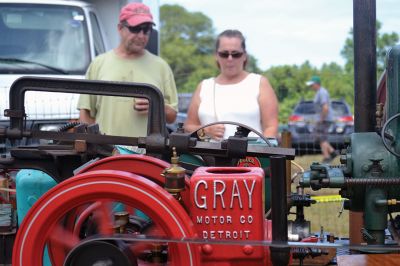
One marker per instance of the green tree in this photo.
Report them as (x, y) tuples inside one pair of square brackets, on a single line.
[(289, 83), (252, 64), (383, 43), (187, 44)]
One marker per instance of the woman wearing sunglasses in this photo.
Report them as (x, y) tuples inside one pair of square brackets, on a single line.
[(234, 95)]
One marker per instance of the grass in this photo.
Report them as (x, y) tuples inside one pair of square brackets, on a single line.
[(322, 214)]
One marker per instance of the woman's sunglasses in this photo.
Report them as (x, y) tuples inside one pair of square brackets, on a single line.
[(147, 28), (226, 54)]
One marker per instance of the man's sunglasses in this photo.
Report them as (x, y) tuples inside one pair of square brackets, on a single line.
[(137, 29), (226, 54)]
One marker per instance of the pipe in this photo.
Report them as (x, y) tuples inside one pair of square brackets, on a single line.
[(286, 141), (364, 20), (279, 256), (364, 28), (387, 181)]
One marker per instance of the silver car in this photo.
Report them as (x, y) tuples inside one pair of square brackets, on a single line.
[(304, 118)]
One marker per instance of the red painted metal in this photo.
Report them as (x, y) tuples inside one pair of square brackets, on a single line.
[(42, 221), (227, 203), (249, 161), (56, 247), (381, 90), (268, 237), (224, 203), (82, 217), (142, 165)]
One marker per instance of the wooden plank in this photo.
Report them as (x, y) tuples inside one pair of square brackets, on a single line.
[(369, 260)]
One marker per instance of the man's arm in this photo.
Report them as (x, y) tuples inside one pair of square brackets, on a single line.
[(170, 96), (86, 103), (170, 114), (84, 117), (324, 111)]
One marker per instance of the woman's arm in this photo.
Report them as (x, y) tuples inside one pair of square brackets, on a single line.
[(268, 109), (193, 123)]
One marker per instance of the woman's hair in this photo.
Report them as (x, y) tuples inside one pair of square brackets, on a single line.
[(231, 34)]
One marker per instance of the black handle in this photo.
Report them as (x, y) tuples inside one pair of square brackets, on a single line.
[(156, 124)]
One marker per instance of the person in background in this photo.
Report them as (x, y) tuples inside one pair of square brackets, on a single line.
[(322, 101), (234, 95), (129, 62)]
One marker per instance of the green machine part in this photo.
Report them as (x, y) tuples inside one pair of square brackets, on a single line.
[(369, 176), (393, 93), (367, 179), (370, 160), (393, 83), (366, 148)]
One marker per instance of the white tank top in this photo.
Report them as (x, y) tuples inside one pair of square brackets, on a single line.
[(233, 102)]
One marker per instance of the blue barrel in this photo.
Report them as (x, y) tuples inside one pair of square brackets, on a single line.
[(30, 186)]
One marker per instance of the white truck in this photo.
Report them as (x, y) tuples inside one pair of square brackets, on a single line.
[(56, 38)]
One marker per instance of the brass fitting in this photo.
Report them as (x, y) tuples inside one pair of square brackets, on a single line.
[(392, 201), (121, 220), (379, 115), (174, 175)]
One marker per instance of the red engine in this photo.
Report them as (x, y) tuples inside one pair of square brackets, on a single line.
[(227, 204), (216, 219)]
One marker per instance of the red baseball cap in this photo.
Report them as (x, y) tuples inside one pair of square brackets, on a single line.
[(135, 14)]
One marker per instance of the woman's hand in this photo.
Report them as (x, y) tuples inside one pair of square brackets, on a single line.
[(215, 131)]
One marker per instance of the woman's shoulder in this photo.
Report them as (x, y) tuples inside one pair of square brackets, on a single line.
[(208, 80), (206, 86), (255, 76), (207, 83), (254, 79)]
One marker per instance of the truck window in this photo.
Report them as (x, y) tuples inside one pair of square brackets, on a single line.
[(97, 39), (43, 39)]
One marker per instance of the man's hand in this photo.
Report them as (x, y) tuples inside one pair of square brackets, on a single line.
[(141, 105), (324, 111)]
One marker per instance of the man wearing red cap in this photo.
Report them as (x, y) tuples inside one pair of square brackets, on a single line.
[(129, 62)]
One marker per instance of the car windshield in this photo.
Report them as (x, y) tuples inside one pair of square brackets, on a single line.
[(43, 39)]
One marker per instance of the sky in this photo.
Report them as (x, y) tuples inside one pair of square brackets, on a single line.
[(287, 32)]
